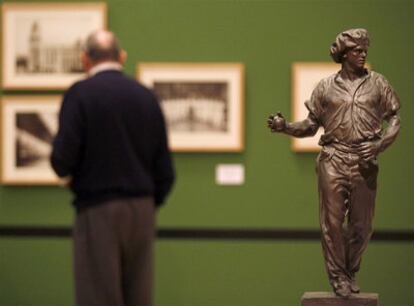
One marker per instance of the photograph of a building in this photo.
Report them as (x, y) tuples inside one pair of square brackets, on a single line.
[(202, 103), (42, 43), (194, 106), (48, 57)]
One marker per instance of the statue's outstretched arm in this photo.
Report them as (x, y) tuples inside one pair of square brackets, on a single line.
[(304, 128)]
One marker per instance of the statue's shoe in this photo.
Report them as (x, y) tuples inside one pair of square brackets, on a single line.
[(343, 289), (354, 287)]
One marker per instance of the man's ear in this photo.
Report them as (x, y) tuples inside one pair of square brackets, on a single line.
[(85, 60), (123, 57)]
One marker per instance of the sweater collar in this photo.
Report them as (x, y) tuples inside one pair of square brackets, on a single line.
[(104, 67)]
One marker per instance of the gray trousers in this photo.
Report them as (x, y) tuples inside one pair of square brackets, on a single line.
[(347, 189), (113, 253)]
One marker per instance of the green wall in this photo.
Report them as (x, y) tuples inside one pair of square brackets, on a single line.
[(280, 189)]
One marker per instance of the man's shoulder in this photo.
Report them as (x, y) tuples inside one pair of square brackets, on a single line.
[(80, 85), (75, 88), (102, 79)]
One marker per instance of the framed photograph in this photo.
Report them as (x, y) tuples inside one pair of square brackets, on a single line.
[(28, 126), (305, 77), (42, 42), (202, 104)]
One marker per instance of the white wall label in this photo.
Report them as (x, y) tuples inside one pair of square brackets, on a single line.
[(230, 174)]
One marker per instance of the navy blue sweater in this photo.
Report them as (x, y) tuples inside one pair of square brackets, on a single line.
[(112, 141)]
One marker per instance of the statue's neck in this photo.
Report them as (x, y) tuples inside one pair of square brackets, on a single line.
[(351, 73)]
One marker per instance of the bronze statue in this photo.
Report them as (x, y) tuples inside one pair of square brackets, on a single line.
[(351, 106)]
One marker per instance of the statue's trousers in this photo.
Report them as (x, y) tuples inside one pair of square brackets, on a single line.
[(347, 189)]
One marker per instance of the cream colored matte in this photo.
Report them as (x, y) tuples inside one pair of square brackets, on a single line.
[(30, 179), (101, 7), (238, 146)]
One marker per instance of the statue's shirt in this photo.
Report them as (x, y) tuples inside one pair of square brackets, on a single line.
[(352, 114)]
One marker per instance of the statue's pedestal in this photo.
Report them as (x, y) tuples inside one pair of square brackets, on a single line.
[(330, 299)]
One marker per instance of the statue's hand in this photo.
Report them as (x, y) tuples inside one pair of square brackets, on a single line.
[(369, 150), (276, 123)]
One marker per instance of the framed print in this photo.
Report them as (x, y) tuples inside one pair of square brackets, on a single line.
[(42, 43), (305, 77), (202, 104), (28, 126)]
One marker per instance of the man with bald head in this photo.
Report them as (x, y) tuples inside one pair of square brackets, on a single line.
[(351, 106), (112, 144)]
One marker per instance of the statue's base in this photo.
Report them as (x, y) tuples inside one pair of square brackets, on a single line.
[(330, 299)]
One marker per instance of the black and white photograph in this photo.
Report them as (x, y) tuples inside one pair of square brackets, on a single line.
[(202, 103), (42, 44), (34, 134), (29, 125), (194, 107)]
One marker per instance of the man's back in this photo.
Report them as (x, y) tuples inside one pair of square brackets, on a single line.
[(115, 133)]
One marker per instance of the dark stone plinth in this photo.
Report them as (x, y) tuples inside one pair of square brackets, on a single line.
[(330, 299)]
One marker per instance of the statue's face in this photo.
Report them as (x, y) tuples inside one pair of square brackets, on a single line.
[(356, 56)]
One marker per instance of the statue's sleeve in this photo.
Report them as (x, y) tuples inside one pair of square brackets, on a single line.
[(314, 105), (389, 99)]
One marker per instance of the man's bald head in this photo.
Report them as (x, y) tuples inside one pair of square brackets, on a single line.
[(102, 46)]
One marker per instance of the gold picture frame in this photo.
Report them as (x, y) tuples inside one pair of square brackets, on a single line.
[(41, 42), (28, 126), (203, 104)]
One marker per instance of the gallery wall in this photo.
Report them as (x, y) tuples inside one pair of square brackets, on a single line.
[(267, 36)]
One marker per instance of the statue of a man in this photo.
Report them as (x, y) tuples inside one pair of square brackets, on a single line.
[(351, 106)]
